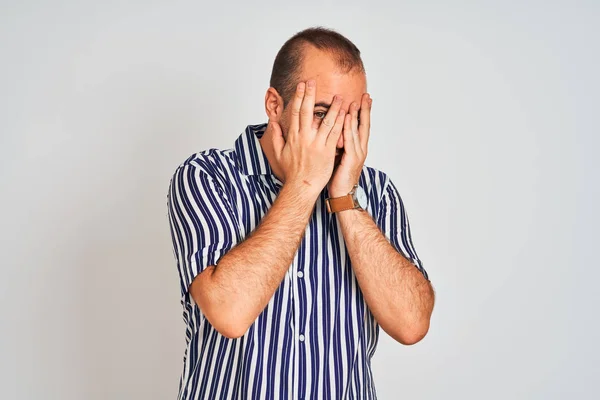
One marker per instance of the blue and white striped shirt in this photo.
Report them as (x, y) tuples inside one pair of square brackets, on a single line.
[(316, 337)]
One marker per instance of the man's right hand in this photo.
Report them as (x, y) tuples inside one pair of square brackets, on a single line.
[(307, 155)]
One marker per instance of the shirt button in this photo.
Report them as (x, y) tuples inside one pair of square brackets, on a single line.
[(301, 337), (300, 274)]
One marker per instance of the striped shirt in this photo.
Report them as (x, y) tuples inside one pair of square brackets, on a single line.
[(316, 337)]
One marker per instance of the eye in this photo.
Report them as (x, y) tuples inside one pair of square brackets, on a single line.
[(320, 114)]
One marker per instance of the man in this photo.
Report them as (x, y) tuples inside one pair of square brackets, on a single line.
[(291, 252)]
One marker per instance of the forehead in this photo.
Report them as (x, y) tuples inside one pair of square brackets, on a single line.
[(321, 67)]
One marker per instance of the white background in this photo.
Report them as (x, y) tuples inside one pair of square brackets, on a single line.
[(485, 115)]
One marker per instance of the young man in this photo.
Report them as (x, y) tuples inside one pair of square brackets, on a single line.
[(291, 252)]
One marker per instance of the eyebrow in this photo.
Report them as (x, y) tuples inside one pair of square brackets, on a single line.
[(323, 104)]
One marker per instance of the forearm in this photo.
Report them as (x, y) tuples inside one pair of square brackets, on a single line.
[(397, 293), (238, 288)]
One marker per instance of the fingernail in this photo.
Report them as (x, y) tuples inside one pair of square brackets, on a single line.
[(311, 83)]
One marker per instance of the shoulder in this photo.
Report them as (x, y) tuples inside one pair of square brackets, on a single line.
[(212, 164), (374, 182), (209, 161)]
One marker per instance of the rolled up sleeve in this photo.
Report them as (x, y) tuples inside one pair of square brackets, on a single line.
[(203, 226), (393, 222)]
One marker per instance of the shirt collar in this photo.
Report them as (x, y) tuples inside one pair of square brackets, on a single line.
[(251, 159)]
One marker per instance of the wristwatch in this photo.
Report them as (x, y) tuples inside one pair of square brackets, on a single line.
[(356, 199)]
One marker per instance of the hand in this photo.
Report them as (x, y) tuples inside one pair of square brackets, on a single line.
[(307, 156), (356, 139)]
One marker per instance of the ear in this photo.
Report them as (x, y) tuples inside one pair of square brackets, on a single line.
[(273, 105)]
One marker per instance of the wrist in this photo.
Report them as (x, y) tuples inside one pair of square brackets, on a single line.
[(355, 198), (303, 193), (339, 191), (303, 188)]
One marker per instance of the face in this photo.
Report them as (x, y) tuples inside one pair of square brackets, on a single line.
[(331, 81)]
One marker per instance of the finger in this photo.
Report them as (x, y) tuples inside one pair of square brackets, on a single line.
[(308, 105), (354, 114), (355, 132), (364, 127), (349, 136), (331, 117), (336, 130), (296, 104), (278, 141)]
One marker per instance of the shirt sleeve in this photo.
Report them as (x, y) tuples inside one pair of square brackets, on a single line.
[(203, 225), (393, 222)]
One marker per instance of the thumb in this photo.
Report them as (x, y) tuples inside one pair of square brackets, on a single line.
[(278, 141)]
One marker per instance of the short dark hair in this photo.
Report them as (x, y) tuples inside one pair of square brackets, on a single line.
[(288, 61)]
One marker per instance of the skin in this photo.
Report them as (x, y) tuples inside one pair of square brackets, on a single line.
[(330, 81), (301, 142)]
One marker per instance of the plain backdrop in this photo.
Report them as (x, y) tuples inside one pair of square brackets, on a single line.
[(485, 115)]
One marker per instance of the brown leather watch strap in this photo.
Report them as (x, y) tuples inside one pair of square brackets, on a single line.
[(340, 203)]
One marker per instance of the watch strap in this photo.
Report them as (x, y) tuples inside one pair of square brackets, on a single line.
[(338, 204)]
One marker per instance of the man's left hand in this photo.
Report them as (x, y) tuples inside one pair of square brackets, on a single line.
[(356, 137)]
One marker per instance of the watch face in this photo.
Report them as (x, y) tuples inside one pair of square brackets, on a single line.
[(361, 198)]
